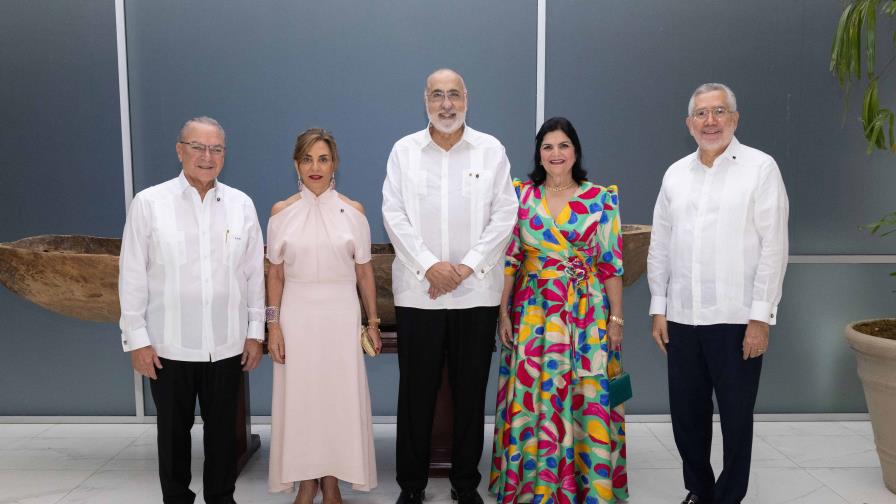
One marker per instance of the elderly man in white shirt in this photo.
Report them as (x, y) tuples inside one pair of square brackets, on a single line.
[(716, 265), (191, 284), (449, 208)]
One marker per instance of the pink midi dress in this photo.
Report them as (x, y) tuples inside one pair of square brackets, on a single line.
[(320, 414)]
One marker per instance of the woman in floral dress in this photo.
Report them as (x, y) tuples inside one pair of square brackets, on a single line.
[(557, 440)]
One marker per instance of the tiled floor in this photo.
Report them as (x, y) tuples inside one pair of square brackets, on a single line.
[(793, 462)]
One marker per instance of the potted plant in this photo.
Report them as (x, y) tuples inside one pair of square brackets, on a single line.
[(874, 341)]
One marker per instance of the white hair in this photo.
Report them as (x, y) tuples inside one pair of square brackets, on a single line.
[(201, 120), (709, 87)]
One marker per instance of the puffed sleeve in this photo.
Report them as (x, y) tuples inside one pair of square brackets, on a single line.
[(609, 236), (275, 239), (514, 255), (361, 233)]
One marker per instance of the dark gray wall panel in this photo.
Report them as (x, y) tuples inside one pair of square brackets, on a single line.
[(809, 368), (268, 70), (54, 365), (623, 73), (60, 172)]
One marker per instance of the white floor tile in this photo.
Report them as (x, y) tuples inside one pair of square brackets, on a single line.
[(788, 485), (655, 486), (95, 431), (22, 430), (802, 429), (648, 453), (8, 443), (860, 428), (857, 486), (38, 487), (62, 453), (793, 463), (827, 451), (116, 487), (634, 430)]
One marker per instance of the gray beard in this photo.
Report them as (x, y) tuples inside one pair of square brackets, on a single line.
[(439, 125)]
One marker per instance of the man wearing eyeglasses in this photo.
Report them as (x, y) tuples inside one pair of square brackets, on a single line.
[(716, 264), (191, 285), (449, 208)]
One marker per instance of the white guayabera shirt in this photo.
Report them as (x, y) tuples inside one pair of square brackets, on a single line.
[(718, 249), (457, 206), (191, 272)]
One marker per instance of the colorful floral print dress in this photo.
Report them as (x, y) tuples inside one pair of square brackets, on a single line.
[(556, 438)]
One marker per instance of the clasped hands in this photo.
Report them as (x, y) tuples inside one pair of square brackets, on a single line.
[(444, 277)]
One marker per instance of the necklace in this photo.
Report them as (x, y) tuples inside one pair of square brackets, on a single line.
[(560, 188)]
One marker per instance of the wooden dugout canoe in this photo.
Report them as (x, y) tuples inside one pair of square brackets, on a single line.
[(77, 276)]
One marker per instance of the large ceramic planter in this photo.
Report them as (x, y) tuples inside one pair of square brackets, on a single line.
[(876, 359)]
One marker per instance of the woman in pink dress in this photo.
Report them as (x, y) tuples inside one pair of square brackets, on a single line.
[(319, 249)]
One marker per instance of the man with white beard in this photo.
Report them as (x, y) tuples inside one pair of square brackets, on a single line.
[(449, 207)]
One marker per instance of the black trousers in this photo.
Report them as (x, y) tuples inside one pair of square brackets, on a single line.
[(703, 359), (175, 391), (425, 338)]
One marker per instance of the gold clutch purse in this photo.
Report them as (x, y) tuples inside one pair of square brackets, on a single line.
[(367, 343)]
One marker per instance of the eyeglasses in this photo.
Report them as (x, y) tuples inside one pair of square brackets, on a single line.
[(717, 112), (453, 95), (200, 148)]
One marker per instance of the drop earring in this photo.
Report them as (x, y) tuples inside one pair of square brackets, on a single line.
[(333, 181), (299, 183)]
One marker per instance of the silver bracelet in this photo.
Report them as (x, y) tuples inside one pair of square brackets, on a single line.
[(272, 314)]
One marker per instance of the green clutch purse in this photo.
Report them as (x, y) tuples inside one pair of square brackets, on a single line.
[(620, 389)]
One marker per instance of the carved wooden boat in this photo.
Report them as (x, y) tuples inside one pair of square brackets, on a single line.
[(71, 275), (77, 276)]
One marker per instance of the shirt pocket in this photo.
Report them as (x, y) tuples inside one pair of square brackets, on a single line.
[(476, 183), (169, 248), (236, 247)]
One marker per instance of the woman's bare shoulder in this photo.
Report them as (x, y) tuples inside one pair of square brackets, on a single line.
[(281, 205), (354, 204)]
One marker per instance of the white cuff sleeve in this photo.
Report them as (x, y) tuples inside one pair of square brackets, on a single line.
[(657, 305), (426, 262), (763, 312), (138, 338), (256, 331), (473, 259)]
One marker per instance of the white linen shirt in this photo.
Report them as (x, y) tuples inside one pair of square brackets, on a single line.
[(718, 249), (191, 272), (458, 206)]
